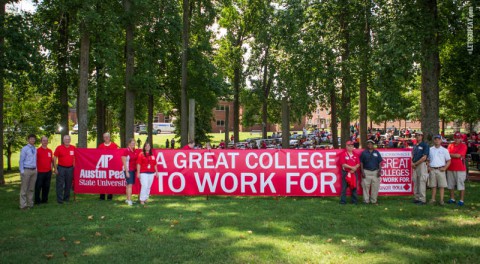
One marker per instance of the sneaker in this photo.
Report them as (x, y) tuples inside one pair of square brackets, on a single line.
[(451, 201), (421, 203), (432, 202), (441, 203), (416, 201), (460, 203), (343, 203), (129, 203)]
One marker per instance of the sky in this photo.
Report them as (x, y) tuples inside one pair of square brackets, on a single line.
[(24, 5)]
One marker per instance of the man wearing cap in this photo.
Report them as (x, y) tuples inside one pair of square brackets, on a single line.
[(350, 164), (457, 171), (420, 171), (439, 161), (370, 161)]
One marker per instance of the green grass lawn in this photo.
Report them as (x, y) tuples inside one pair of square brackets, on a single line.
[(181, 229)]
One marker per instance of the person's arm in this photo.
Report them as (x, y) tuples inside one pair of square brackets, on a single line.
[(125, 166), (446, 166), (138, 171), (379, 165), (422, 159), (55, 165), (156, 170), (21, 162)]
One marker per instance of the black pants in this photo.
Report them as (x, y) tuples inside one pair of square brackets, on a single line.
[(64, 183), (42, 185), (109, 196), (343, 197)]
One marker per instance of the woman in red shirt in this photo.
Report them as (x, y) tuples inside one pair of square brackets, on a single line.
[(129, 159), (350, 164), (146, 170)]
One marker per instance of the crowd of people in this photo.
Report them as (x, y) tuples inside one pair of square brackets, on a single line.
[(435, 166)]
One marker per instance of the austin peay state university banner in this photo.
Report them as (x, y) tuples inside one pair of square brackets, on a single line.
[(238, 172)]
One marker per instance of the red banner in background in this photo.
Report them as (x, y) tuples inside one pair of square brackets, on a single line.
[(237, 172)]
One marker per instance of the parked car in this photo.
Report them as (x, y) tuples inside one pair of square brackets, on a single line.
[(142, 130)]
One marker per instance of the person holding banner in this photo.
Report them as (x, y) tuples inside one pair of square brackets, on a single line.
[(370, 161), (107, 144), (146, 170), (439, 162), (63, 162), (457, 171), (420, 171), (350, 164), (129, 159)]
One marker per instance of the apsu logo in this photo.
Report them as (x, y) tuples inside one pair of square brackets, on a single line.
[(103, 161)]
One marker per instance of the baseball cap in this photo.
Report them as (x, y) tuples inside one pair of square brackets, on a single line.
[(457, 135), (437, 136), (370, 141), (350, 142), (419, 133)]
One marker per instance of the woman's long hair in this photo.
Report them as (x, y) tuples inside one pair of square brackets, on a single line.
[(149, 152)]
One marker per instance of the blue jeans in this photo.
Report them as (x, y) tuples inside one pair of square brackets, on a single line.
[(343, 197)]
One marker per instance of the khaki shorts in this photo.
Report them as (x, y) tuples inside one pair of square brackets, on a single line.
[(456, 178), (437, 179)]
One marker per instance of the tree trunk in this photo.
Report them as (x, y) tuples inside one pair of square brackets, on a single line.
[(82, 100), (9, 157), (430, 68), (227, 124), (62, 65), (2, 87), (100, 105), (150, 119), (364, 77), (184, 106), (345, 96), (333, 115), (191, 119), (129, 71), (236, 99), (285, 124), (266, 83)]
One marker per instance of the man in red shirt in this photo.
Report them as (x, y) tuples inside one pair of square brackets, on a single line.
[(190, 145), (63, 162), (457, 172), (350, 164), (44, 171), (107, 144)]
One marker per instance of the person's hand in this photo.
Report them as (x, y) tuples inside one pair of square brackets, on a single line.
[(442, 169), (352, 171), (379, 174), (363, 174), (413, 166), (55, 171), (127, 175), (21, 175)]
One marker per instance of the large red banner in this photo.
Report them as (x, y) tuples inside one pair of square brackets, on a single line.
[(237, 172)]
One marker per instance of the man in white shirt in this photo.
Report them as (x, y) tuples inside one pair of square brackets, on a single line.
[(439, 161)]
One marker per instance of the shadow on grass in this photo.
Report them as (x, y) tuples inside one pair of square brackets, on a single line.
[(238, 230)]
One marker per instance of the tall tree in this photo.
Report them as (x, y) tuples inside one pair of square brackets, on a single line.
[(430, 68), (129, 71), (184, 94), (364, 78), (83, 85), (2, 83)]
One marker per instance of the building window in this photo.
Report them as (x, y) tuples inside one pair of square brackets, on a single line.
[(220, 108), (220, 123), (167, 119), (155, 119)]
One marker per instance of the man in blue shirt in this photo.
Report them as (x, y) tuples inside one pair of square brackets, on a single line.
[(420, 171), (28, 173), (370, 161)]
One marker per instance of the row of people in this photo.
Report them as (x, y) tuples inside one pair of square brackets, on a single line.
[(440, 167)]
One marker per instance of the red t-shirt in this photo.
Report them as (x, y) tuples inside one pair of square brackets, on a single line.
[(111, 146), (66, 156), (44, 159), (350, 160), (186, 147), (131, 158), (147, 163), (457, 163)]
